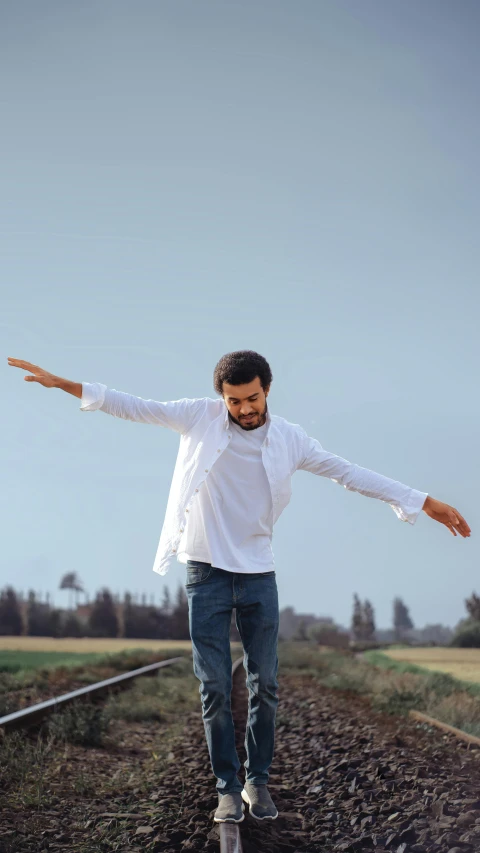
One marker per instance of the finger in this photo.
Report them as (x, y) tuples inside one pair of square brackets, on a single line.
[(463, 524), (459, 524), (24, 365), (450, 527), (17, 362)]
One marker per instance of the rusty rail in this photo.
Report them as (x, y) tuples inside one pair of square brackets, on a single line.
[(30, 715), (431, 721), (230, 839)]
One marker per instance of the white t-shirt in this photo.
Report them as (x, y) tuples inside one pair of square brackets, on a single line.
[(231, 520)]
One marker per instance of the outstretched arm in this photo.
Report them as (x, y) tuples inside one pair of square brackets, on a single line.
[(178, 415), (405, 501)]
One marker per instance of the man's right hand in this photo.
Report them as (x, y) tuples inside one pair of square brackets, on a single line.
[(48, 380)]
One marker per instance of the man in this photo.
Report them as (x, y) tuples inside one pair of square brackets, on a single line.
[(230, 485)]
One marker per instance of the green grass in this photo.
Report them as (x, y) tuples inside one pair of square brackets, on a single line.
[(156, 698), (14, 661)]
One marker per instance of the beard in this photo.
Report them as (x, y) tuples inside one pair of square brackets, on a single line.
[(257, 422)]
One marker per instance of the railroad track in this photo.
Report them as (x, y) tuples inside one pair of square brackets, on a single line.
[(342, 775), (230, 838), (33, 714)]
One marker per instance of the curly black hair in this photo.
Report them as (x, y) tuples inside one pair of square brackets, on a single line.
[(238, 368)]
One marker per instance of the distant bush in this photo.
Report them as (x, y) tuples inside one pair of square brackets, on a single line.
[(10, 616), (467, 635), (103, 620), (72, 627), (328, 635)]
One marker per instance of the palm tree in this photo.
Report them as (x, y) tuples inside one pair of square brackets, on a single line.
[(72, 582)]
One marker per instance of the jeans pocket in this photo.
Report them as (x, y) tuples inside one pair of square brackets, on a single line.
[(197, 573)]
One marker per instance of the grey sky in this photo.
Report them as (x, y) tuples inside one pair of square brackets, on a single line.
[(182, 179)]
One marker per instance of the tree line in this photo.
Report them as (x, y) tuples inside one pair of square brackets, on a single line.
[(466, 634), (104, 617), (107, 616), (363, 619)]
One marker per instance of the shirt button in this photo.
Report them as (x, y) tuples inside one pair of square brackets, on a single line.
[(196, 490), (173, 550), (187, 510), (206, 470), (181, 530), (219, 451)]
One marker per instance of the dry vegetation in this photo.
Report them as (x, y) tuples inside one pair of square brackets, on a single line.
[(390, 685), (463, 664), (86, 644)]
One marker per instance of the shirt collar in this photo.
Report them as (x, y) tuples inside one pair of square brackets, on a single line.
[(268, 420)]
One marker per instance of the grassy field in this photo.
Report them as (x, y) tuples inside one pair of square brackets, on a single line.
[(30, 653), (463, 664), (84, 645)]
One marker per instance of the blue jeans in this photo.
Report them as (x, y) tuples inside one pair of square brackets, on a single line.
[(212, 594)]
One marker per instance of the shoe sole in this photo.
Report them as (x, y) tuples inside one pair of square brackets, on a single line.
[(246, 799)]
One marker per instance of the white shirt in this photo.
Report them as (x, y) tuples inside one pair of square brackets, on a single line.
[(205, 432), (230, 524)]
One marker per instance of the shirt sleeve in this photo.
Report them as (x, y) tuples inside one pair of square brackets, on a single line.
[(406, 503), (178, 415)]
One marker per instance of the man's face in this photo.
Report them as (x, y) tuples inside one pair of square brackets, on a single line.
[(247, 403)]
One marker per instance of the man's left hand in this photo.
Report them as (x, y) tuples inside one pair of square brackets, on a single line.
[(447, 515)]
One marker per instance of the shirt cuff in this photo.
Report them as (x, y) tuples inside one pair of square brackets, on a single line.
[(410, 510), (93, 396)]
